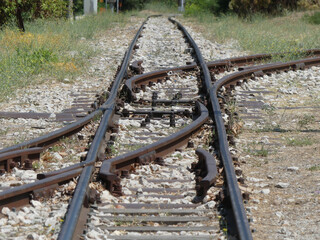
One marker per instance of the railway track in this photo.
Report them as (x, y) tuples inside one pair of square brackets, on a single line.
[(146, 118)]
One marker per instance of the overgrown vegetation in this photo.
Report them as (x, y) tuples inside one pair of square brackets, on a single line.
[(263, 34), (247, 8), (313, 19), (49, 49), (257, 149), (164, 6), (299, 141), (315, 168), (194, 7)]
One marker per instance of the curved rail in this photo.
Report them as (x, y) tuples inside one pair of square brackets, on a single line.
[(234, 191), (48, 139), (109, 170), (71, 220), (216, 66), (206, 172), (68, 228)]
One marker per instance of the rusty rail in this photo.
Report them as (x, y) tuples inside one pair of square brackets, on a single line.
[(206, 172), (68, 229), (21, 195), (234, 191), (21, 158), (216, 66), (110, 169)]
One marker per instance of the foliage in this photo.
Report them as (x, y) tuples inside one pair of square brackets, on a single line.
[(245, 8), (78, 6), (315, 168), (49, 49), (305, 121), (162, 6), (313, 19), (194, 7), (299, 141), (263, 34), (309, 4), (32, 9), (52, 9), (133, 4)]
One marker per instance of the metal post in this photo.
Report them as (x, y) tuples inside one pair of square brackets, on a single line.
[(181, 6), (117, 6)]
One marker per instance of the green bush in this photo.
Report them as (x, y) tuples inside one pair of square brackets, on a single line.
[(313, 19), (309, 4), (31, 9), (194, 7), (162, 6), (245, 8), (133, 4), (52, 8)]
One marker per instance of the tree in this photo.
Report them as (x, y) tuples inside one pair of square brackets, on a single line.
[(245, 8), (21, 10)]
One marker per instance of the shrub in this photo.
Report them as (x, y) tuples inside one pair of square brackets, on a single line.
[(32, 9), (245, 8), (193, 7), (313, 19), (309, 4), (133, 4)]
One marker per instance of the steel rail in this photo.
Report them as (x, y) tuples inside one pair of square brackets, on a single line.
[(109, 170), (206, 173), (22, 157), (231, 79), (71, 220), (21, 195), (217, 65), (108, 106), (240, 216), (258, 71), (48, 139)]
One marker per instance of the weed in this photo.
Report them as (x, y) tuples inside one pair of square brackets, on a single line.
[(20, 139), (4, 131), (52, 49), (288, 34), (97, 117), (261, 152), (315, 168), (56, 148), (160, 6), (254, 150), (305, 121), (299, 142), (114, 151), (36, 165), (178, 155)]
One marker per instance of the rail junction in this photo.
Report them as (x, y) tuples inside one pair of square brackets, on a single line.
[(159, 165)]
